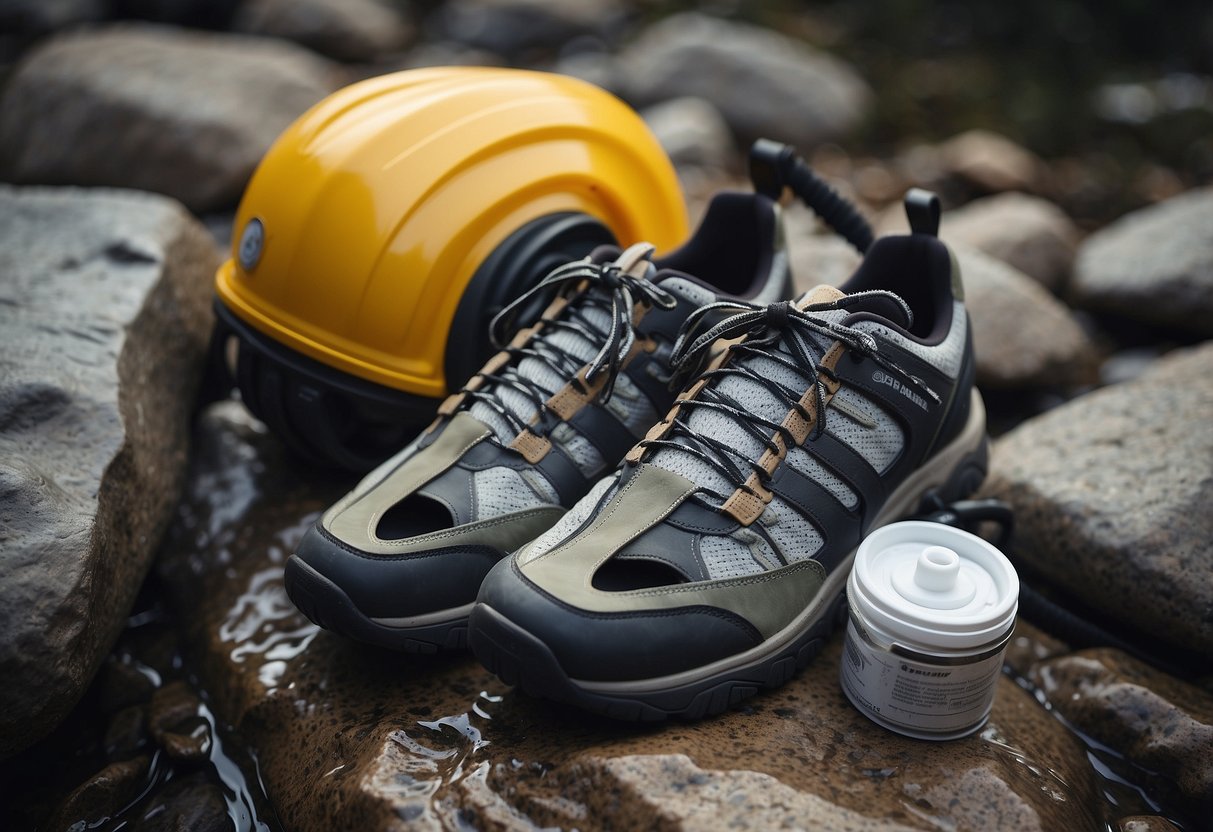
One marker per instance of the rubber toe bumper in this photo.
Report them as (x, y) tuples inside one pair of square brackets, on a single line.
[(416, 602), (614, 664)]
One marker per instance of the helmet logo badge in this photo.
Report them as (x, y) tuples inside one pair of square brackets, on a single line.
[(251, 241)]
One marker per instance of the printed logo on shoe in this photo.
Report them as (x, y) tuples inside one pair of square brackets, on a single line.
[(882, 378)]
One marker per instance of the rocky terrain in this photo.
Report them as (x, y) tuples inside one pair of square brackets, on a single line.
[(160, 679)]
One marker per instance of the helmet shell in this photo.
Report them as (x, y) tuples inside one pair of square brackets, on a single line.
[(368, 217)]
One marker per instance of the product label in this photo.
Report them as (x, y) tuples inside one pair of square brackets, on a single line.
[(920, 698)]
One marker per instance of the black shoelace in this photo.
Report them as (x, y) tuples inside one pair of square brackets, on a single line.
[(606, 287), (764, 329)]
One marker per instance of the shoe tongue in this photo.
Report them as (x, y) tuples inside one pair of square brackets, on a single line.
[(882, 304), (822, 293), (637, 260)]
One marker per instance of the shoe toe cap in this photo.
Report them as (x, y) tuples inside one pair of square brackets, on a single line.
[(615, 646), (407, 584)]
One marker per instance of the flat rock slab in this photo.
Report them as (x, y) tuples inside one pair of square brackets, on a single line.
[(763, 82), (104, 309), (348, 736), (1112, 496), (1154, 265), (188, 114)]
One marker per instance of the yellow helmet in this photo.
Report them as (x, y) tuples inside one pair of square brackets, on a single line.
[(388, 224)]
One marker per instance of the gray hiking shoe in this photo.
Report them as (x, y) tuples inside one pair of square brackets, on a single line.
[(398, 561), (711, 564)]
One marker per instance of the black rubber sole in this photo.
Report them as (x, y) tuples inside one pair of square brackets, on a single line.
[(327, 606), (519, 658)]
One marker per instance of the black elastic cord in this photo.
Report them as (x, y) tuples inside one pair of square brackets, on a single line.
[(775, 166), (1078, 631)]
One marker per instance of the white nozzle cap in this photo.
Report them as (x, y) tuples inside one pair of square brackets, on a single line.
[(937, 569), (933, 579)]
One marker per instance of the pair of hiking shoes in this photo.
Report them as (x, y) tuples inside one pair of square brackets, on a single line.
[(648, 502)]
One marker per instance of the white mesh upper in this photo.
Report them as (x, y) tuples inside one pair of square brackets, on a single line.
[(631, 406), (696, 294), (537, 481), (727, 557), (540, 373), (580, 450), (945, 356), (795, 535), (879, 445), (800, 460), (501, 490), (724, 428), (567, 524)]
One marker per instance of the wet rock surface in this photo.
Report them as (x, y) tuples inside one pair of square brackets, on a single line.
[(1111, 493), (351, 735), (1154, 265), (763, 83), (188, 114), (1156, 722), (348, 30), (94, 402)]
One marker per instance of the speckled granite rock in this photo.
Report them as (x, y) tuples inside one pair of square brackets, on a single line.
[(1157, 722), (188, 114), (348, 30), (763, 82), (1022, 335), (1154, 265), (348, 736), (1112, 494), (104, 306)]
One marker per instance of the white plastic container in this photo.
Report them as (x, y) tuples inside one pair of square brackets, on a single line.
[(931, 610)]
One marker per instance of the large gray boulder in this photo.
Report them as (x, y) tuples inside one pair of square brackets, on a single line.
[(104, 310), (1154, 265), (1022, 335), (1112, 496), (188, 114), (348, 30), (763, 82)]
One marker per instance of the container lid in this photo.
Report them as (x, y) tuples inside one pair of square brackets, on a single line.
[(934, 586)]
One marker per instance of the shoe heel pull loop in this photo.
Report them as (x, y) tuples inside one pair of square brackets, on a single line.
[(923, 211), (769, 162)]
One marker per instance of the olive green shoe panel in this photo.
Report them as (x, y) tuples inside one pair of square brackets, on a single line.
[(768, 600), (355, 518)]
